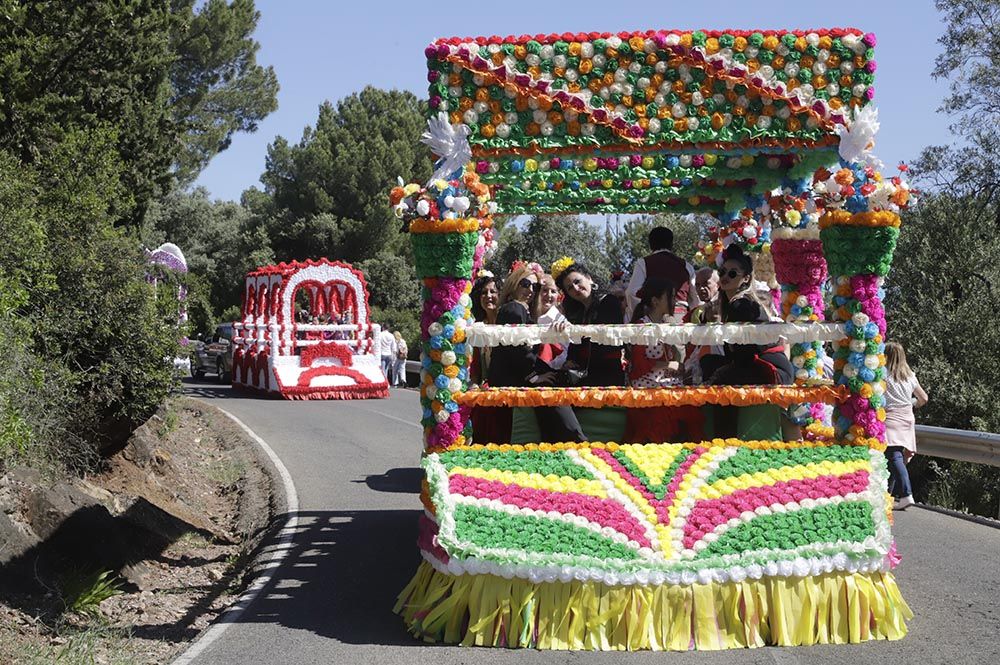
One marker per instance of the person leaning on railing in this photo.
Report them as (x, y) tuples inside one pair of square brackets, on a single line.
[(902, 394), (485, 305), (512, 365), (656, 366)]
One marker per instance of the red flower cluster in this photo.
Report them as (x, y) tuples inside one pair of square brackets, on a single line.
[(625, 36)]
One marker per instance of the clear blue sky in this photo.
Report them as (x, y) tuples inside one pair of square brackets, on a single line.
[(328, 49)]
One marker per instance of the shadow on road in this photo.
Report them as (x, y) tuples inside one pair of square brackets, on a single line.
[(404, 480), (196, 388), (342, 576)]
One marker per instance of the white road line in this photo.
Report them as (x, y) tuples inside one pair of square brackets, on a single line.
[(267, 563)]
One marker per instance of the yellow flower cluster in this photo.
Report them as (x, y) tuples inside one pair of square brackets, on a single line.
[(560, 265)]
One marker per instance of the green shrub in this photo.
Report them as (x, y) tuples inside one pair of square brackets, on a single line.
[(92, 342)]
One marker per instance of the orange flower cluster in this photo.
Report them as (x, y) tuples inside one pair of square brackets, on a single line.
[(845, 218), (424, 225), (784, 396)]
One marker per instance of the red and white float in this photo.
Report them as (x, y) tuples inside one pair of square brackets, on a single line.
[(274, 352)]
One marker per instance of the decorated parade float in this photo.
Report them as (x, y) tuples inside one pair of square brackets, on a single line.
[(279, 349), (169, 261), (706, 544)]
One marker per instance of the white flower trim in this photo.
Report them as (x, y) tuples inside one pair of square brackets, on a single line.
[(785, 233), (484, 335), (809, 560), (798, 567)]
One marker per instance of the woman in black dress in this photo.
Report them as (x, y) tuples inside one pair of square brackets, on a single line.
[(512, 365), (586, 304)]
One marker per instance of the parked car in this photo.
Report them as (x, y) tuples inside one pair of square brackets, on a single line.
[(216, 356)]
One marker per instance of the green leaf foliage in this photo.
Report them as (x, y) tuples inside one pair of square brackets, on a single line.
[(217, 87), (328, 192), (545, 238), (68, 66)]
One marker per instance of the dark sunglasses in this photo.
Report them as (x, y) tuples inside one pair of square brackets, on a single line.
[(733, 274), (526, 283)]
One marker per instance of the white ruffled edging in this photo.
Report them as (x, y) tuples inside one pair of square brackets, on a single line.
[(712, 334)]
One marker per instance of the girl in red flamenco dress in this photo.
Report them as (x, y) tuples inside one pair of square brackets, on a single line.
[(655, 366)]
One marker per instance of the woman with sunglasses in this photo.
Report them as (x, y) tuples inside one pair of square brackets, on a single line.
[(512, 365), (741, 302), (585, 304)]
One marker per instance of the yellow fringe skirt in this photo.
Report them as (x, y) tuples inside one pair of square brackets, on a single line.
[(486, 610)]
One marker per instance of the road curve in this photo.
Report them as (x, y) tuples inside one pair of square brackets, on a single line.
[(355, 465)]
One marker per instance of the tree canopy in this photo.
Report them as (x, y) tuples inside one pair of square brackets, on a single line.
[(217, 87), (329, 190)]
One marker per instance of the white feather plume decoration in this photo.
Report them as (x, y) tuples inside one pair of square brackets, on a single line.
[(449, 142), (857, 137)]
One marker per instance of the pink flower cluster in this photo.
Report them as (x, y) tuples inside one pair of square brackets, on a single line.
[(604, 512), (865, 289), (798, 261), (444, 434), (445, 292), (709, 514), (860, 412), (801, 263), (427, 539)]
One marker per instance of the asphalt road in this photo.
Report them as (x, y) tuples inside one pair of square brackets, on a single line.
[(355, 465)]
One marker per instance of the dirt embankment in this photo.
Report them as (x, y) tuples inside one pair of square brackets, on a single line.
[(130, 564)]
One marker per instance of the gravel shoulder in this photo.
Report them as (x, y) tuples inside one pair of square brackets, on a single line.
[(182, 510)]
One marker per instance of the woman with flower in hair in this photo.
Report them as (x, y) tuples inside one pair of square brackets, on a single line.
[(902, 394), (585, 304)]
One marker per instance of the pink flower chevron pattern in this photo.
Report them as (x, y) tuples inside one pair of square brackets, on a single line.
[(625, 513)]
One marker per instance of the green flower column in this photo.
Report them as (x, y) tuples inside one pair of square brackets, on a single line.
[(444, 262), (858, 249)]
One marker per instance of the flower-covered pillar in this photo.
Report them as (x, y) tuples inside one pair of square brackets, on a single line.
[(801, 270), (858, 247), (449, 245)]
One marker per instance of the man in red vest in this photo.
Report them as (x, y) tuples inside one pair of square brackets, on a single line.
[(662, 263)]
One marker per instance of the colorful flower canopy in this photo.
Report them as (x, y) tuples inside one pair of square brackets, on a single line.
[(705, 121)]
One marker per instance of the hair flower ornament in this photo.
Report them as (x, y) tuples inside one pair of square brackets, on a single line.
[(559, 266)]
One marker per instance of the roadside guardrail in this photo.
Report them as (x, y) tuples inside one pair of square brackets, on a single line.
[(958, 444)]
